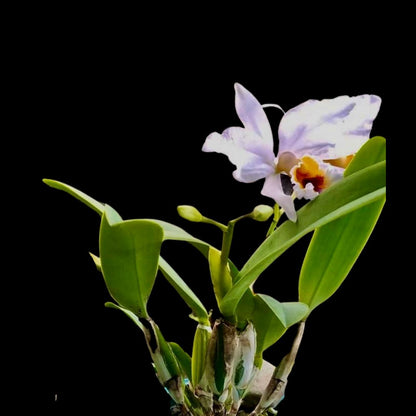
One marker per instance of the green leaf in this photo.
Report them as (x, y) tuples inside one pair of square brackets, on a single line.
[(132, 316), (133, 234), (373, 151), (87, 200), (166, 364), (353, 192), (129, 252), (170, 361), (173, 232), (183, 358), (198, 310), (335, 247), (272, 318)]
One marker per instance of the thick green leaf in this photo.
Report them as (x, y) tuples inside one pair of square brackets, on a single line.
[(351, 193), (132, 316), (169, 359), (129, 253), (272, 318), (183, 359), (173, 232), (168, 369), (141, 227), (333, 251), (87, 200), (373, 151), (335, 247), (198, 310)]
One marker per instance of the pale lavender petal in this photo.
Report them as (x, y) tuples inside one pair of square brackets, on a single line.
[(245, 150), (252, 170), (273, 189), (252, 115), (250, 141), (330, 128)]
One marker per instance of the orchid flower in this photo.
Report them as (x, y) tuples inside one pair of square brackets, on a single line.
[(317, 140)]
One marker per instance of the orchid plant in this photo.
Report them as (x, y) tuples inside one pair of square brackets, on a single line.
[(324, 156)]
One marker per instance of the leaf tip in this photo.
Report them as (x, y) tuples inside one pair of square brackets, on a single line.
[(49, 182)]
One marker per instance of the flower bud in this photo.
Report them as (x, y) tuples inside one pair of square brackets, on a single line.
[(262, 213), (190, 213)]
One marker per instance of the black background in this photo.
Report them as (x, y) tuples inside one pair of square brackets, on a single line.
[(119, 105)]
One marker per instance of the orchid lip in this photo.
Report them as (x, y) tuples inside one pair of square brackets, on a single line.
[(311, 176)]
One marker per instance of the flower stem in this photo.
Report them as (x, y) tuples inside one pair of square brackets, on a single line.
[(277, 214), (226, 243), (222, 227)]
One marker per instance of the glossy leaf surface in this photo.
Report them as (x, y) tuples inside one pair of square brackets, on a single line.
[(183, 359), (130, 277), (335, 247), (171, 231), (272, 318), (353, 192), (86, 199), (129, 253), (198, 310), (132, 316)]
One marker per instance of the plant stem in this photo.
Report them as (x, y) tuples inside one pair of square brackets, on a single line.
[(296, 344), (277, 214), (222, 227), (226, 243)]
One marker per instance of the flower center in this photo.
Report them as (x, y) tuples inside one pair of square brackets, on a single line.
[(308, 171)]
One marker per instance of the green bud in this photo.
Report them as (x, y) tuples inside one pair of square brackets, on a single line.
[(262, 213), (190, 213)]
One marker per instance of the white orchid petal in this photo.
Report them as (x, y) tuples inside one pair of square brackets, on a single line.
[(273, 189), (252, 115), (251, 142), (252, 170), (245, 150), (329, 128)]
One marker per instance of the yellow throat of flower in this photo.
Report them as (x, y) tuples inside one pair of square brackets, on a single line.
[(309, 171)]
